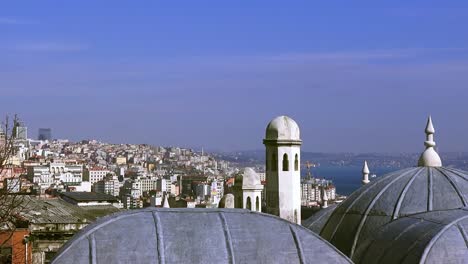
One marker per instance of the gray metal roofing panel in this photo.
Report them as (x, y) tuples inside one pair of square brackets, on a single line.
[(159, 235), (450, 247), (442, 198), (411, 202), (401, 243)]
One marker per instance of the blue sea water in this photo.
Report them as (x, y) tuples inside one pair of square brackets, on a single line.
[(345, 179)]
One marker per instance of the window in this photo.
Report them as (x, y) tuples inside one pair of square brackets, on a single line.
[(5, 254), (296, 163), (48, 256), (248, 203), (285, 162), (257, 204)]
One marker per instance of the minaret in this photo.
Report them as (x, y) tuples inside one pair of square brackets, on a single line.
[(325, 199), (429, 158), (166, 202), (283, 172), (365, 174)]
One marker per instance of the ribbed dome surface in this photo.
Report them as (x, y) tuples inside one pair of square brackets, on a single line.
[(319, 219), (283, 128), (405, 192), (432, 237), (196, 236)]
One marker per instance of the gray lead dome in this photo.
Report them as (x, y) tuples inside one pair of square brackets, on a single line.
[(399, 194), (429, 238), (196, 236)]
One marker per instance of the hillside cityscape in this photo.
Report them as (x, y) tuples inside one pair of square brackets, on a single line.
[(79, 182), (237, 132)]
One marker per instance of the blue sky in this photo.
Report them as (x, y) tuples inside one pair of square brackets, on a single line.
[(358, 77)]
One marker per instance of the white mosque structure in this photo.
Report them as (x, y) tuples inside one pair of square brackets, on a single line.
[(248, 191), (283, 171), (415, 215)]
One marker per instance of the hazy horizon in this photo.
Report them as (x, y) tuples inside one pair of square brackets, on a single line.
[(358, 78)]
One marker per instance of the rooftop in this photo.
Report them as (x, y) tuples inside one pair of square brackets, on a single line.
[(88, 196), (160, 235), (56, 210)]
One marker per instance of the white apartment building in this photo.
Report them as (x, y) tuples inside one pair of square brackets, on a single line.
[(96, 174), (164, 185), (109, 185), (46, 175)]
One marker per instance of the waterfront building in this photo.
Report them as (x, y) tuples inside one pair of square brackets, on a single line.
[(312, 191)]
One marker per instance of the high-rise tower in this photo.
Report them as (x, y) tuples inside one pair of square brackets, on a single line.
[(45, 134), (283, 170)]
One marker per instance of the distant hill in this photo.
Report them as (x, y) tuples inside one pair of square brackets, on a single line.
[(382, 160)]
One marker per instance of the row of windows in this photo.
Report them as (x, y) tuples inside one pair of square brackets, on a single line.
[(285, 163), (248, 203)]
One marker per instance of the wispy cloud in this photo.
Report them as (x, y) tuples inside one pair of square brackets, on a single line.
[(51, 47), (16, 21), (347, 56)]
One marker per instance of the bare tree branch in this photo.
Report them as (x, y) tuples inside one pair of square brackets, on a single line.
[(11, 201)]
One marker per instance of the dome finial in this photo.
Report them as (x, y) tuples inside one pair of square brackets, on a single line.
[(429, 127), (429, 158), (365, 173)]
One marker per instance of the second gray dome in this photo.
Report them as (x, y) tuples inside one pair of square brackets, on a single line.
[(405, 192)]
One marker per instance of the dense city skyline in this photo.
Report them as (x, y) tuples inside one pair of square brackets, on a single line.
[(355, 78)]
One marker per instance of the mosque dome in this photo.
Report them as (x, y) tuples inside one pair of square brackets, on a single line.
[(250, 179), (162, 235), (394, 197), (432, 237), (282, 128), (319, 219)]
